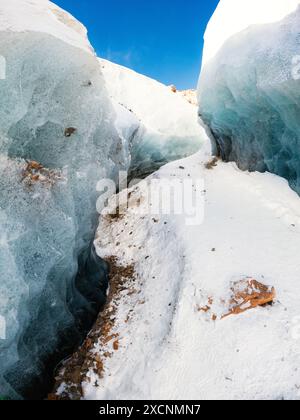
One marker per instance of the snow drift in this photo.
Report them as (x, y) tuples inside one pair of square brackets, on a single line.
[(249, 91)]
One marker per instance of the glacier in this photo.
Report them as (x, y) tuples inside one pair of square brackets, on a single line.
[(249, 91), (61, 131)]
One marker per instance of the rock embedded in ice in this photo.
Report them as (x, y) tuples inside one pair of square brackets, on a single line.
[(248, 93)]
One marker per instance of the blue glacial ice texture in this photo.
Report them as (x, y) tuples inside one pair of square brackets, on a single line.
[(251, 101), (151, 150), (53, 110)]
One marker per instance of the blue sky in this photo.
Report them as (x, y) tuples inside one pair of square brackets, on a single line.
[(162, 39)]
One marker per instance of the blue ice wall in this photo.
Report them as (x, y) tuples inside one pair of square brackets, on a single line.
[(249, 96), (57, 140)]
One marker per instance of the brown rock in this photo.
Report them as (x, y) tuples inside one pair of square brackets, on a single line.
[(35, 178), (33, 165), (69, 131), (246, 294), (249, 294), (206, 308), (212, 163), (109, 338)]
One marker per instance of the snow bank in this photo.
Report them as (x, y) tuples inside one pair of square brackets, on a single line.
[(249, 92), (169, 124)]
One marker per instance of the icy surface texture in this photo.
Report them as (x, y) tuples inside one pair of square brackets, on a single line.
[(169, 127), (249, 93), (55, 111), (233, 16)]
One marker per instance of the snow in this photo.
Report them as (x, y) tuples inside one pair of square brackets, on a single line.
[(249, 93), (234, 16), (167, 348), (45, 17)]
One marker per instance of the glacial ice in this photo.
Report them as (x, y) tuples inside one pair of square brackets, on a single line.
[(57, 139), (249, 91)]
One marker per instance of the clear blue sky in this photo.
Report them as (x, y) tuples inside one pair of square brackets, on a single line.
[(162, 39)]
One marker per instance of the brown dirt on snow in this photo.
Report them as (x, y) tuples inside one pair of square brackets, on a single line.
[(74, 371)]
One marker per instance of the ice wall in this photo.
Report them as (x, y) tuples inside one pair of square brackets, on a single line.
[(57, 140), (63, 128), (249, 88)]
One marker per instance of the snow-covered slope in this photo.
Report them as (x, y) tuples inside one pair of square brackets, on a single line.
[(157, 339), (169, 126), (249, 91)]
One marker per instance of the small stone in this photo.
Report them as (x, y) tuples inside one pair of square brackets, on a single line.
[(249, 294), (69, 131)]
